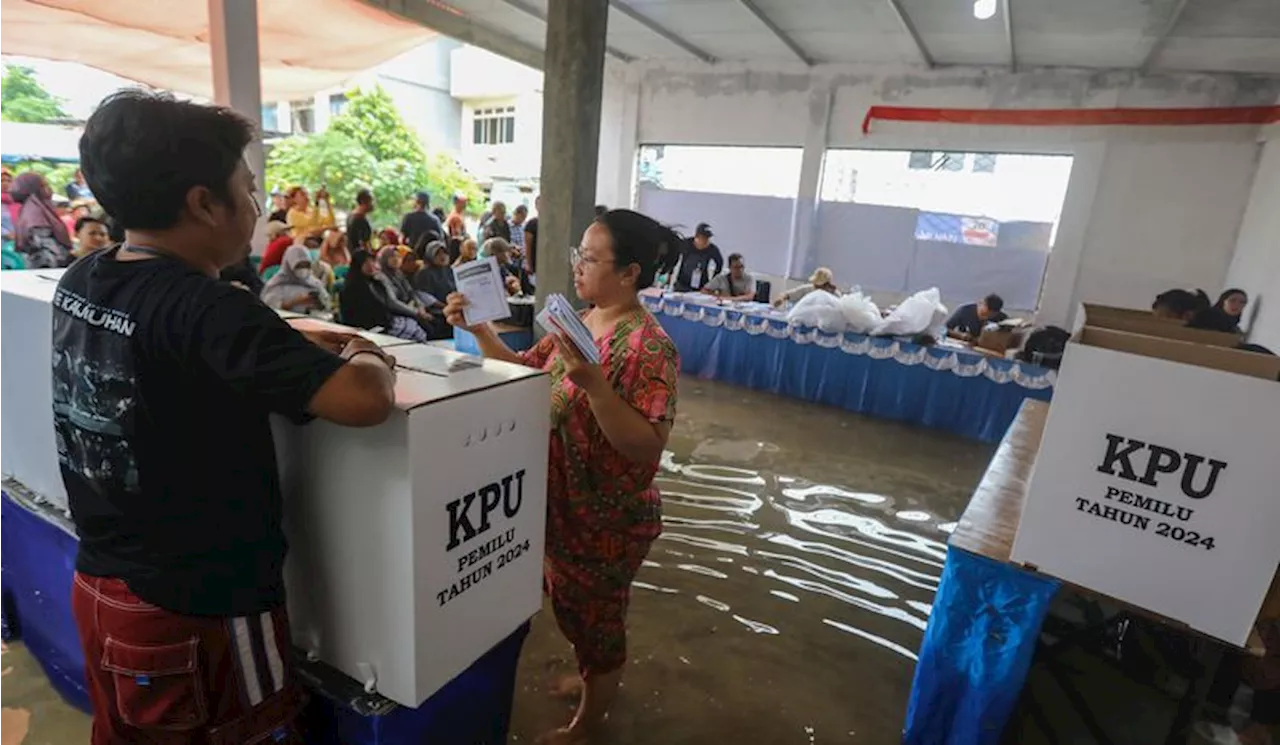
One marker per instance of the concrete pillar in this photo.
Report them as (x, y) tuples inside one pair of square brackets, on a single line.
[(237, 79), (574, 79), (802, 251)]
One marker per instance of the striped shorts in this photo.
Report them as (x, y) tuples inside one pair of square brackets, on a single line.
[(161, 677)]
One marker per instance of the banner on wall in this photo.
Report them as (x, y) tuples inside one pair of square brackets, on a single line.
[(972, 231)]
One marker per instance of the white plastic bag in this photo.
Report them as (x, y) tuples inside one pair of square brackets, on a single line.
[(860, 314), (820, 309), (914, 315)]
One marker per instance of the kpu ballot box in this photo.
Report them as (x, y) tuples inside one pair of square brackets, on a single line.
[(1156, 479), (28, 448), (416, 546)]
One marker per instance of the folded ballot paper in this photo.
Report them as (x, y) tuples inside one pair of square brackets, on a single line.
[(558, 315)]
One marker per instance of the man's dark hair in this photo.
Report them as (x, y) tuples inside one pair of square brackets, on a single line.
[(1182, 302), (994, 302), (733, 258), (142, 152), (88, 220), (364, 197), (422, 198), (601, 209)]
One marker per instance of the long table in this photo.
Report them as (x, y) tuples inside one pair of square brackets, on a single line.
[(942, 387)]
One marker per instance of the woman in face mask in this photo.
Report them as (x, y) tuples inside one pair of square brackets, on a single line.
[(295, 287)]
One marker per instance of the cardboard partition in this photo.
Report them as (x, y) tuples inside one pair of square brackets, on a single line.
[(1256, 365), (1143, 322)]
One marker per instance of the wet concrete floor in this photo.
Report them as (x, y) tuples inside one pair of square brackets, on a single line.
[(784, 602)]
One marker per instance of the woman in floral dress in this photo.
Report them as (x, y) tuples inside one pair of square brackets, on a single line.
[(609, 425)]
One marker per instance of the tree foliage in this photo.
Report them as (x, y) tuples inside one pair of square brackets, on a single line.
[(369, 146), (23, 99)]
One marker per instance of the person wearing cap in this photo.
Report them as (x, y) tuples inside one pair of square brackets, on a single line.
[(821, 279), (699, 261), (419, 226), (735, 284), (359, 231), (278, 240)]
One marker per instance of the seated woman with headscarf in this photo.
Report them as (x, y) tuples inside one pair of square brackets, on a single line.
[(295, 287), (391, 267), (1225, 314), (436, 276), (368, 302), (40, 233)]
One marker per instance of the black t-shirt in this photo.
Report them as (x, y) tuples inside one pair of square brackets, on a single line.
[(531, 242), (162, 382), (966, 320), (359, 232), (697, 265), (279, 216), (417, 224)]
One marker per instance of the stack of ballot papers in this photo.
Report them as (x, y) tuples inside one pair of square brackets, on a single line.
[(558, 316)]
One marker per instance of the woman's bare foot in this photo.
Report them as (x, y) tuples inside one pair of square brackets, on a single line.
[(567, 687), (563, 736)]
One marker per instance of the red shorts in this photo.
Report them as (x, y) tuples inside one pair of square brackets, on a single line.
[(165, 678)]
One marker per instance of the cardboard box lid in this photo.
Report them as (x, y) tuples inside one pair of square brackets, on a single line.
[(423, 375), (1257, 365), (1143, 322)]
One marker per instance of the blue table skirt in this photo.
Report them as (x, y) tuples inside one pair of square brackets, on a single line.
[(38, 554), (968, 394), (976, 651)]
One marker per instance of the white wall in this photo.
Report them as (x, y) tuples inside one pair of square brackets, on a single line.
[(1147, 208), (1256, 265), (520, 160)]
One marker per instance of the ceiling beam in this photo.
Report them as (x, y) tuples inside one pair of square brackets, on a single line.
[(1007, 6), (660, 30), (778, 32), (450, 21), (910, 28), (1158, 45), (536, 12)]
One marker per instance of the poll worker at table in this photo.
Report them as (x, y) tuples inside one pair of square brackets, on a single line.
[(163, 380), (1225, 314), (735, 284), (700, 260), (967, 322), (1179, 305), (610, 423), (822, 279)]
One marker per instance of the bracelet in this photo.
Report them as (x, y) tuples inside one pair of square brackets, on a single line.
[(379, 355)]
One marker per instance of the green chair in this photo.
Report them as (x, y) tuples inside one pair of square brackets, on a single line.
[(10, 259), (270, 272), (255, 261)]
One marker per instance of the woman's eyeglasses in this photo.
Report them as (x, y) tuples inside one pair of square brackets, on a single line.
[(576, 257)]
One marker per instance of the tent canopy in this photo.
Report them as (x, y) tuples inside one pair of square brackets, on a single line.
[(304, 45)]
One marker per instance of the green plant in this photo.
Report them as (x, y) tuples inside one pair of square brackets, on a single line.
[(23, 99)]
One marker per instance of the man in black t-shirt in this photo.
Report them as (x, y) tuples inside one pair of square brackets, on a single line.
[(700, 260), (420, 227), (968, 320), (359, 231), (163, 380)]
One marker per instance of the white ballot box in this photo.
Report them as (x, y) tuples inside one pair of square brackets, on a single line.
[(1156, 480), (416, 546), (28, 450)]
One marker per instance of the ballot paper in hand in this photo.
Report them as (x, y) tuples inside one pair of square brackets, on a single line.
[(481, 283), (558, 316)]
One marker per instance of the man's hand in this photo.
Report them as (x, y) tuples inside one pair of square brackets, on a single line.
[(359, 345), (334, 341)]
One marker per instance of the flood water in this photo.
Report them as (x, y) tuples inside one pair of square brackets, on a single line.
[(788, 594)]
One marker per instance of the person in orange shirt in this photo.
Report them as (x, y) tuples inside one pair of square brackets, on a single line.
[(456, 225)]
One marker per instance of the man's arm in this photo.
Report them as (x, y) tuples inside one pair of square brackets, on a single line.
[(717, 259), (361, 393)]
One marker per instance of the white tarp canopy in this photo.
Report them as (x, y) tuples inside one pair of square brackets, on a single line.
[(304, 45), (52, 142)]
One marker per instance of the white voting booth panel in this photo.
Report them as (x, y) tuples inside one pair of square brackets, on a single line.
[(416, 546), (28, 448), (1156, 484)]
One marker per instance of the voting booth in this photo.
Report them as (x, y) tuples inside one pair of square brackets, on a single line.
[(416, 546), (1156, 478)]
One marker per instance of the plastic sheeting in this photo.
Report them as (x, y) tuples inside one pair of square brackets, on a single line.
[(303, 45), (970, 395), (976, 651)]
